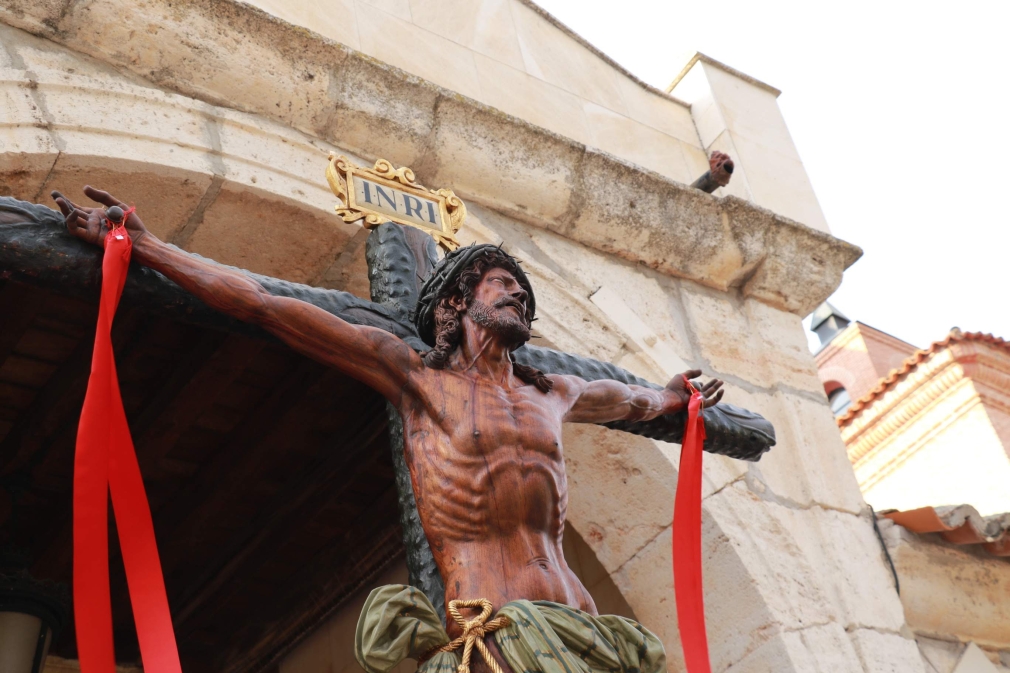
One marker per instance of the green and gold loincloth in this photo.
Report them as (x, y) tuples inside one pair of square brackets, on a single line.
[(398, 622)]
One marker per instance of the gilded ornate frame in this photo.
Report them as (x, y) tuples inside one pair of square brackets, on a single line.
[(340, 174)]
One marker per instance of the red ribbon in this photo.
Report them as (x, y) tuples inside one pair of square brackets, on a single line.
[(687, 542), (106, 461)]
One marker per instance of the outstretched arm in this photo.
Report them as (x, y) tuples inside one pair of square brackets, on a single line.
[(605, 400), (373, 356)]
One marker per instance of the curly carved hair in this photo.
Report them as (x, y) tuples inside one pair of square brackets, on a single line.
[(449, 327)]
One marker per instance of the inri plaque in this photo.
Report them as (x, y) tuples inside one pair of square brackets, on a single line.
[(384, 193)]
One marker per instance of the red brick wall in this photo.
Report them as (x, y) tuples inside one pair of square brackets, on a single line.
[(858, 357)]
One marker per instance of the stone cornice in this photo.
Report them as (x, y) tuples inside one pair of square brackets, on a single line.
[(234, 55)]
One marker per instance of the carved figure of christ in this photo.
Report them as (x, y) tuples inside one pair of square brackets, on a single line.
[(482, 444)]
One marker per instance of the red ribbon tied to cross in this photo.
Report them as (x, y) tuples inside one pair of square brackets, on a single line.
[(687, 540), (105, 461)]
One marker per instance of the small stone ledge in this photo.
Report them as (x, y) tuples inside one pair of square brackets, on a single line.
[(235, 55)]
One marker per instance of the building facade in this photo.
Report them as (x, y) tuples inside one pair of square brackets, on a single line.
[(924, 429)]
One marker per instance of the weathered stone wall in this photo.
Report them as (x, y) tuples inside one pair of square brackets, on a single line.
[(955, 601), (226, 111)]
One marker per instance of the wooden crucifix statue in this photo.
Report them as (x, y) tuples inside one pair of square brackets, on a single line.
[(482, 441)]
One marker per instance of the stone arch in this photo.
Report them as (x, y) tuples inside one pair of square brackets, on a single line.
[(621, 492), (231, 186)]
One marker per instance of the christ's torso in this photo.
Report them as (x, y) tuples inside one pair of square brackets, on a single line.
[(489, 478)]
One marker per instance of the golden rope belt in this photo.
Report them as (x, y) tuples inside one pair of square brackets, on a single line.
[(473, 634)]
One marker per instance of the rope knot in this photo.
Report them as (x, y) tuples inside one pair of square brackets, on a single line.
[(474, 631)]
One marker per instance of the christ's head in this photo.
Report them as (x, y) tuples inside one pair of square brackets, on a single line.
[(488, 290)]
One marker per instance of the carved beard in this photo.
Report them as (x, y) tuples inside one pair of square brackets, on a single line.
[(511, 329)]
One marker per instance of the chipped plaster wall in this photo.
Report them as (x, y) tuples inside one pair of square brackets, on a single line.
[(645, 273)]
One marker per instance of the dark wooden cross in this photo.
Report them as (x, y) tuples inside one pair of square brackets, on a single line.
[(35, 248)]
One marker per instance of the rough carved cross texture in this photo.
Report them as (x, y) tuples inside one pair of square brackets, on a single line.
[(476, 434)]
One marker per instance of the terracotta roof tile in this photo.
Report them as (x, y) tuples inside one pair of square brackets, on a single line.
[(911, 363), (959, 525)]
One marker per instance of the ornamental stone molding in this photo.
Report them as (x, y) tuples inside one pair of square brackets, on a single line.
[(954, 393), (232, 55)]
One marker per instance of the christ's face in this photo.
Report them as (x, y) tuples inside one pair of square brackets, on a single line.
[(499, 304)]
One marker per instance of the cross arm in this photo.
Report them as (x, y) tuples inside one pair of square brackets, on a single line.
[(35, 248)]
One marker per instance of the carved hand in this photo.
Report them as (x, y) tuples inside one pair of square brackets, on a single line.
[(91, 224), (677, 389)]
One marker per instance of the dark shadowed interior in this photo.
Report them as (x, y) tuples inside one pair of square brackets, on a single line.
[(269, 476)]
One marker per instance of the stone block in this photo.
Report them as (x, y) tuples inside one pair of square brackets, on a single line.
[(516, 168), (621, 491), (23, 173), (398, 8), (808, 261), (708, 120), (780, 548), (165, 199), (635, 142), (750, 110), (204, 50), (486, 28), (516, 93), (405, 45), (556, 57), (886, 652), (808, 465), (822, 649), (646, 583), (27, 148), (618, 209), (724, 335), (40, 15), (779, 182), (812, 446), (659, 111), (652, 297), (783, 343), (697, 162), (811, 566), (380, 112), (270, 157), (737, 619), (265, 244), (952, 592), (334, 20), (667, 362), (570, 321)]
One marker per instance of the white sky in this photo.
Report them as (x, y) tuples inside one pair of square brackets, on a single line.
[(898, 110)]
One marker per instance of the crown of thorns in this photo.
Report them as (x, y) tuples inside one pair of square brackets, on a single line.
[(445, 276)]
